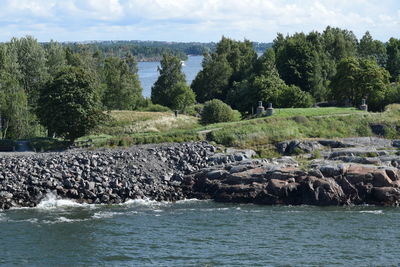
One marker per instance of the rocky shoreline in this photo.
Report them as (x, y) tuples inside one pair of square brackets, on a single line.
[(347, 172)]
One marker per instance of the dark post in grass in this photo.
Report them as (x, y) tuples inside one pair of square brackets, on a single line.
[(364, 106), (270, 109)]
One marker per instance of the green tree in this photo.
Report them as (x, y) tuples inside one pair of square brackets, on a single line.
[(213, 80), (360, 78), (69, 105), (232, 62), (182, 97), (339, 43), (302, 61), (393, 61), (169, 84), (32, 66), (373, 49), (55, 57), (15, 116), (266, 85), (123, 90)]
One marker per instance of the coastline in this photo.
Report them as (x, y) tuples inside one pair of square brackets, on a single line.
[(172, 172)]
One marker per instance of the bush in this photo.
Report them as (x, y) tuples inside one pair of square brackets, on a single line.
[(293, 96), (217, 111)]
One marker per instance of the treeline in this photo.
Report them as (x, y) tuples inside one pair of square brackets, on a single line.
[(152, 50), (142, 50), (64, 90), (302, 69), (56, 90)]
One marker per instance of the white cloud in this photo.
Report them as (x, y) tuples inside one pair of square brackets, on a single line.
[(193, 19)]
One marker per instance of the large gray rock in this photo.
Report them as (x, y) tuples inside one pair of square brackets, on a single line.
[(296, 147)]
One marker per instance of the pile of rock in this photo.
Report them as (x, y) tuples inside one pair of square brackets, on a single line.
[(106, 176)]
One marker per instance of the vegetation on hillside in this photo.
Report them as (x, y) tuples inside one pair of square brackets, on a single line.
[(332, 66), (67, 90), (131, 127)]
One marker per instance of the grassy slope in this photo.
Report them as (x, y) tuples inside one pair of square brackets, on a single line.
[(130, 127), (134, 127)]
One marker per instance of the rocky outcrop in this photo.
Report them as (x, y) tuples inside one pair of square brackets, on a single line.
[(266, 183)]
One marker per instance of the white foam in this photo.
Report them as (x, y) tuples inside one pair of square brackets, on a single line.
[(143, 202), (158, 210), (190, 200), (105, 214), (372, 211), (110, 214), (149, 202), (51, 201)]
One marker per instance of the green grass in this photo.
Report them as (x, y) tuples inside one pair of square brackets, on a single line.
[(134, 127), (292, 112), (136, 122)]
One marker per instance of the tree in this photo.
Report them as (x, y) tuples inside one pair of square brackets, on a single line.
[(302, 61), (232, 62), (123, 90), (31, 58), (266, 85), (360, 78), (170, 84), (68, 105), (339, 43), (213, 80), (393, 61), (15, 116), (373, 49), (55, 57), (182, 97)]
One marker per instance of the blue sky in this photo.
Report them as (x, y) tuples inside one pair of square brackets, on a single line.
[(192, 20)]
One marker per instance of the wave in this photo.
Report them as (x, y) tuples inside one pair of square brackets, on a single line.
[(150, 202), (51, 201), (106, 214), (372, 211)]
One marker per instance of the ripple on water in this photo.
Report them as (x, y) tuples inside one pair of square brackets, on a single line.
[(195, 233), (372, 211)]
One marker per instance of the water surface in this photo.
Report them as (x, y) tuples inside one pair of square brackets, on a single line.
[(198, 233), (148, 73)]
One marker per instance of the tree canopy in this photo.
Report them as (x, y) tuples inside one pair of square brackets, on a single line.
[(360, 78), (69, 105), (170, 89)]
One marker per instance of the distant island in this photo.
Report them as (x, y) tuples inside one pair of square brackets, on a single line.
[(151, 50)]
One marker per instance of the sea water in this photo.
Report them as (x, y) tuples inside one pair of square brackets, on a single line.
[(198, 233), (148, 72)]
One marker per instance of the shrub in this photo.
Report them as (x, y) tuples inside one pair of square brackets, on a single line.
[(217, 111), (293, 96)]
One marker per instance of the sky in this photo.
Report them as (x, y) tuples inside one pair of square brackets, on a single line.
[(193, 20)]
